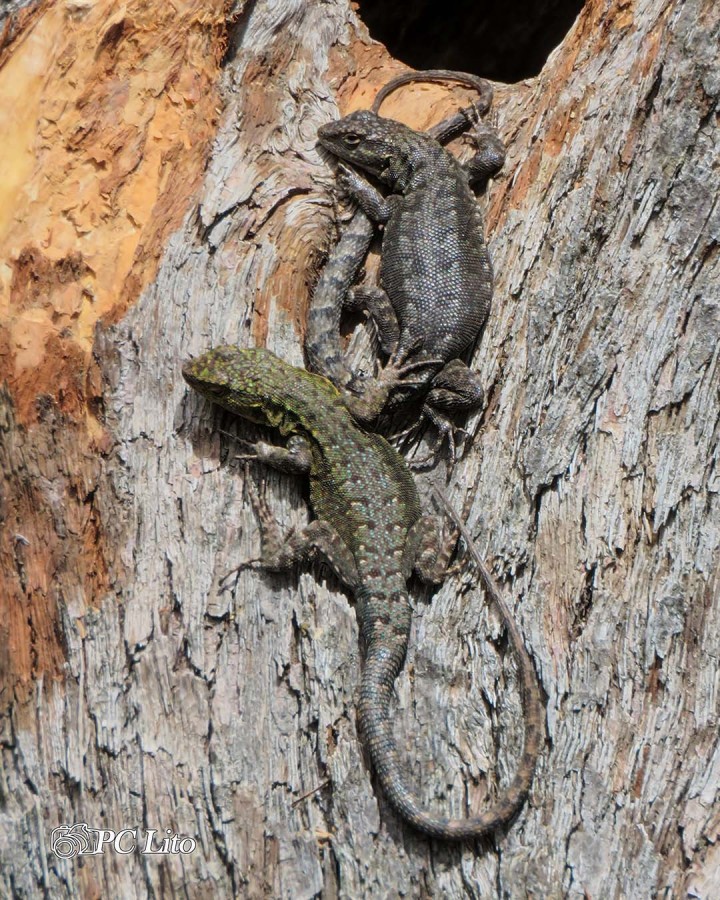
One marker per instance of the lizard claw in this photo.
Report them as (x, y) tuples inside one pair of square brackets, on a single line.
[(249, 445), (224, 581), (392, 376), (348, 181), (418, 364), (399, 357), (447, 432), (394, 373)]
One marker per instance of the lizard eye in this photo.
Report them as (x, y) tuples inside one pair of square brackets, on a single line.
[(352, 140)]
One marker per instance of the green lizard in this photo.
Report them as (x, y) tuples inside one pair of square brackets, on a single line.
[(371, 530)]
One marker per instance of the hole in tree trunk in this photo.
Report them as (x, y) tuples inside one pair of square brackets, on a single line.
[(505, 41)]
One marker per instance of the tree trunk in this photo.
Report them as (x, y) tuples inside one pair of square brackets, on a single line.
[(163, 195)]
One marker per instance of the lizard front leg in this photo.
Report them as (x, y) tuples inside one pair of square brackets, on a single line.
[(376, 207), (281, 550), (295, 458), (375, 301), (365, 398)]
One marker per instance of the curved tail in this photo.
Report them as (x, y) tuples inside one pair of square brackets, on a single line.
[(438, 76), (382, 665)]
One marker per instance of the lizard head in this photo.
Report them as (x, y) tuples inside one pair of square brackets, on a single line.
[(257, 385), (239, 380), (383, 147)]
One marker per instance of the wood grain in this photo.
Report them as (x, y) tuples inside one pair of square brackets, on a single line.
[(135, 693)]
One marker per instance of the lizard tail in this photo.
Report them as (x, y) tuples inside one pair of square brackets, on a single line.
[(382, 665), (323, 347), (438, 76)]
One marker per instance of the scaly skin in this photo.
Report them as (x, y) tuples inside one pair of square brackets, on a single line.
[(442, 76), (435, 270), (371, 530), (333, 292), (323, 346)]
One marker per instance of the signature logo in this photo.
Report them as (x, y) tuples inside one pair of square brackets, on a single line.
[(69, 841)]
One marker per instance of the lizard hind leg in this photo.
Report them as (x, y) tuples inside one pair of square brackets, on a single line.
[(489, 155), (429, 548), (296, 458), (455, 389), (381, 312), (278, 551)]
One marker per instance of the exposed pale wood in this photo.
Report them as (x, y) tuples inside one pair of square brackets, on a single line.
[(140, 695)]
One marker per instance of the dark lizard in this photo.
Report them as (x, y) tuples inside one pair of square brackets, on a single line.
[(333, 290), (370, 529), (435, 270)]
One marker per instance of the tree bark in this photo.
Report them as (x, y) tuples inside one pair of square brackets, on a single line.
[(164, 194)]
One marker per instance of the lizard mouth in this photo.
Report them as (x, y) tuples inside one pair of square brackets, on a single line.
[(325, 153), (324, 130), (194, 371), (189, 371)]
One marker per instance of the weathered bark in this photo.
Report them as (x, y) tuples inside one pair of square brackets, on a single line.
[(134, 692)]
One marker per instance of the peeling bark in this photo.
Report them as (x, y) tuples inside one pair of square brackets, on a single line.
[(165, 195)]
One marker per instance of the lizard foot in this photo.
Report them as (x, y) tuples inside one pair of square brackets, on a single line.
[(448, 433), (395, 376), (348, 180), (224, 581), (395, 372), (366, 397), (257, 503), (279, 551), (248, 445)]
